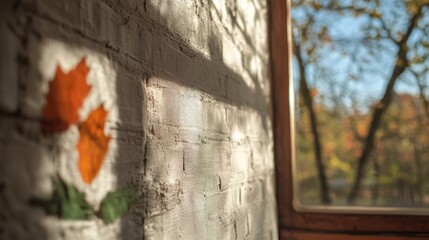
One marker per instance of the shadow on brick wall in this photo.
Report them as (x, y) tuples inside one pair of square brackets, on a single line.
[(155, 51)]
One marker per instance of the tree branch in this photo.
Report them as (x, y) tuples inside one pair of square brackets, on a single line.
[(422, 89), (308, 103), (382, 106)]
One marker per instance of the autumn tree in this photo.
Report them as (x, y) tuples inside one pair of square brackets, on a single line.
[(393, 28), (303, 46)]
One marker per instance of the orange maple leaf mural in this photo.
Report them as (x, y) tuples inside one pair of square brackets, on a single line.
[(66, 94), (93, 144)]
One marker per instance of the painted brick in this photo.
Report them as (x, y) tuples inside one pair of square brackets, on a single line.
[(187, 89), (8, 64)]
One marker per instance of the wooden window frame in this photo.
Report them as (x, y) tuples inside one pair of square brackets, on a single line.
[(313, 225)]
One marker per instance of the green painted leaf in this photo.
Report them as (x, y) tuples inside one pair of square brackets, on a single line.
[(66, 202), (70, 204), (117, 203)]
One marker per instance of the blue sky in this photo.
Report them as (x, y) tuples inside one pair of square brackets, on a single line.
[(370, 82)]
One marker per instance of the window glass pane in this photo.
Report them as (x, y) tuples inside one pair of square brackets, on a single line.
[(361, 81)]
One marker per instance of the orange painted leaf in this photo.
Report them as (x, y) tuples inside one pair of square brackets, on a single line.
[(92, 145), (65, 97)]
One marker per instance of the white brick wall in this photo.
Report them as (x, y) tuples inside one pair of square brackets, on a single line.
[(187, 87)]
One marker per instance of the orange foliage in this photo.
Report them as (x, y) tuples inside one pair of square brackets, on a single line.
[(314, 92), (92, 145), (66, 94)]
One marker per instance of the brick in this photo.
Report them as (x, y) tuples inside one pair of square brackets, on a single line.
[(205, 159), (187, 87), (8, 65)]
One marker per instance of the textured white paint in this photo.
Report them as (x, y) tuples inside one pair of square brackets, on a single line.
[(187, 87)]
